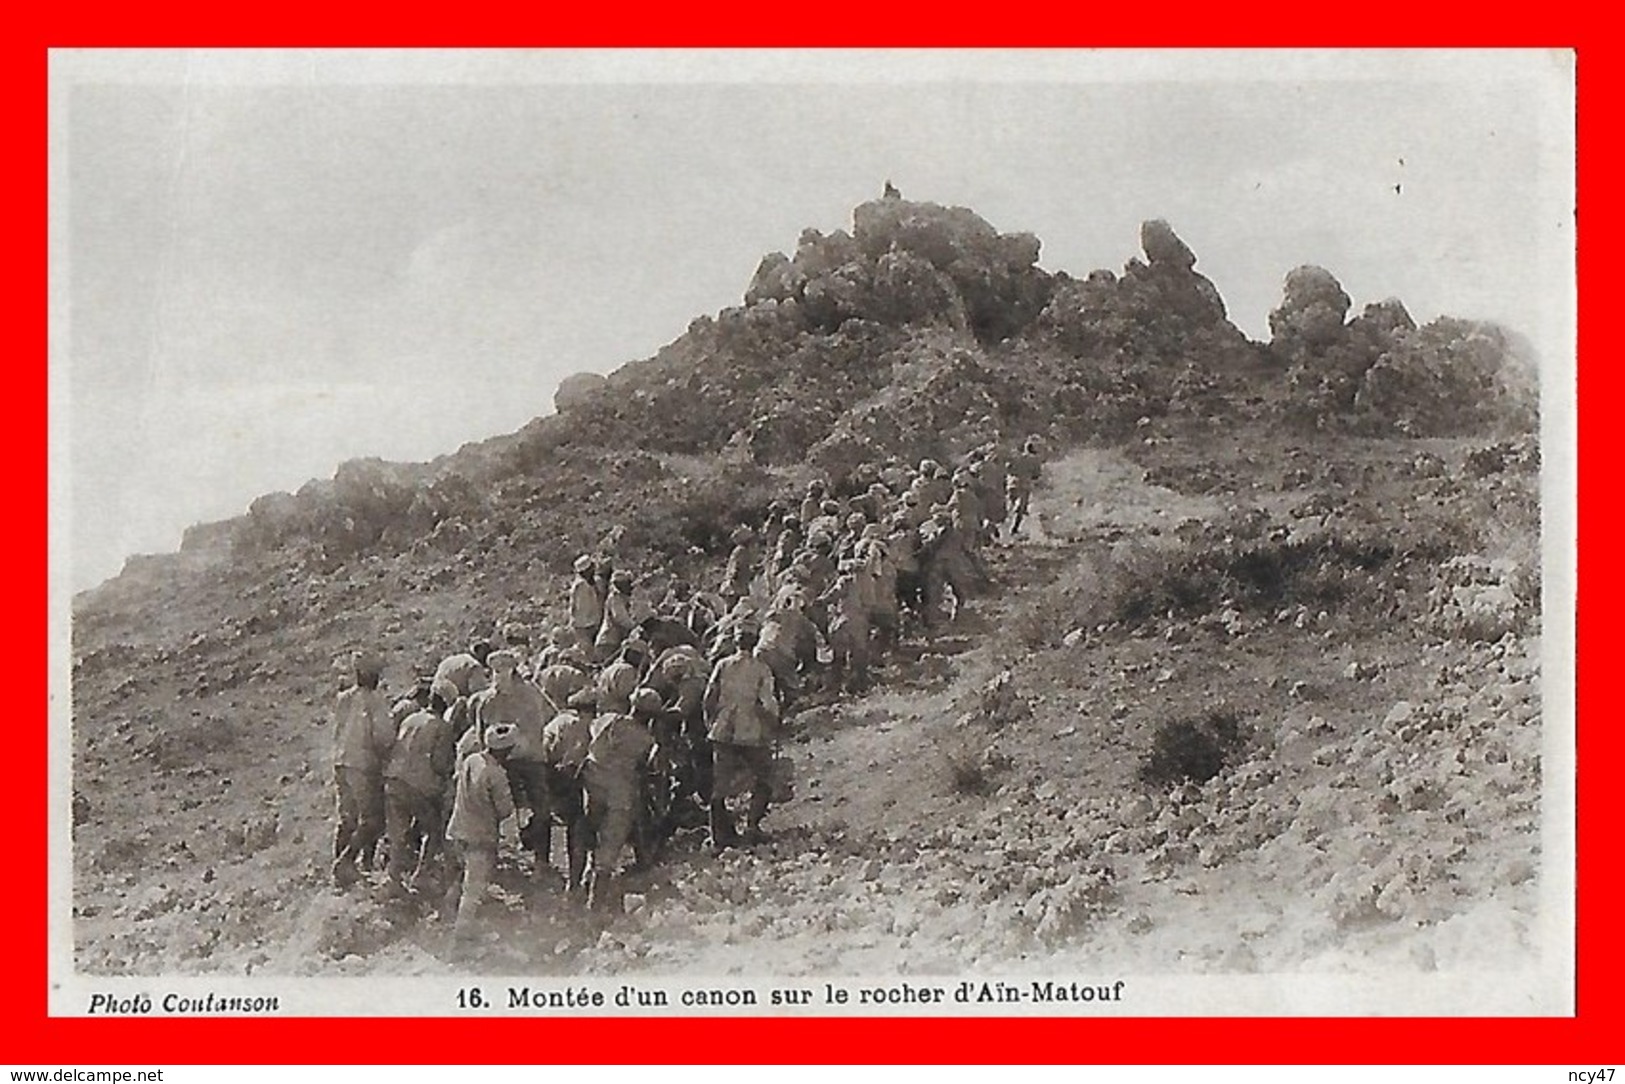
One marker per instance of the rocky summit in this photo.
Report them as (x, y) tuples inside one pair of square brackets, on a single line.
[(1258, 690)]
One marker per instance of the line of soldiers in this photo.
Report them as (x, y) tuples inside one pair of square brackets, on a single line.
[(635, 720)]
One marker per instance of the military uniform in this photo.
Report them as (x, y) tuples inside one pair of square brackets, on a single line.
[(788, 644), (564, 750), (363, 736), (877, 574), (520, 704), (934, 491), (965, 512), (617, 623), (742, 711), (903, 547), (995, 501), (617, 759), (737, 575), (679, 677), (414, 790), (946, 565), (483, 801), (586, 611), (464, 672), (849, 631), (560, 682), (1023, 478)]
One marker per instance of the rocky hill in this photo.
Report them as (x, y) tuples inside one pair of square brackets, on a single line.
[(1293, 563)]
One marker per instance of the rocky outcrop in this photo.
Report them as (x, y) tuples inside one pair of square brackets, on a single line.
[(1310, 317), (1147, 314), (1380, 373), (575, 390), (1448, 378), (1153, 340), (1163, 247), (1326, 360), (920, 329)]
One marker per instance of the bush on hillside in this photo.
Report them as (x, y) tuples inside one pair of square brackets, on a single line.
[(1193, 750)]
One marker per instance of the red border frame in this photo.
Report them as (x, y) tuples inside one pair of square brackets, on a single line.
[(34, 1037)]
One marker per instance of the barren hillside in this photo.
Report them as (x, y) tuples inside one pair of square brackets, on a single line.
[(1258, 691)]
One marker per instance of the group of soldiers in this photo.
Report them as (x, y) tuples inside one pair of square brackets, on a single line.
[(635, 719)]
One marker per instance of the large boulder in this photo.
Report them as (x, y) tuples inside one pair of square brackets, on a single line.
[(1154, 314), (818, 253), (776, 279), (1163, 247), (928, 230), (1310, 316), (576, 390), (1000, 288), (1381, 320), (907, 289), (831, 299)]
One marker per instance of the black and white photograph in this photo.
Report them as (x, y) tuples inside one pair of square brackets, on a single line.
[(824, 532)]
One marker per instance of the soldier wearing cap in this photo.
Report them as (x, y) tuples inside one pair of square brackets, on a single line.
[(560, 638), (636, 651), (513, 701), (788, 643), (848, 603), (828, 519), (903, 548), (483, 802), (963, 507), (877, 578), (851, 532), (363, 737), (619, 616), (875, 502), (617, 758), (785, 546), (565, 740), (935, 485), (657, 787), (1025, 471), (811, 504), (416, 700), (562, 680), (466, 669), (965, 513), (415, 780), (678, 677), (946, 565), (821, 569), (586, 606), (914, 511), (894, 474), (743, 712), (995, 494), (460, 723), (741, 566)]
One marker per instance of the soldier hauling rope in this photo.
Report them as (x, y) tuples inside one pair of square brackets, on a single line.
[(634, 722)]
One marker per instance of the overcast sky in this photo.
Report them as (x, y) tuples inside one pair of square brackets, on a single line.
[(274, 262)]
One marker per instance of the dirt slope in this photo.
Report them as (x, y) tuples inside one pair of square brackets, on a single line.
[(1304, 572), (1378, 808)]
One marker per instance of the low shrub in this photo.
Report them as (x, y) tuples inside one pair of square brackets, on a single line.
[(1193, 750)]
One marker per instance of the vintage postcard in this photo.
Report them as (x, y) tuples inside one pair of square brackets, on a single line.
[(812, 533)]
